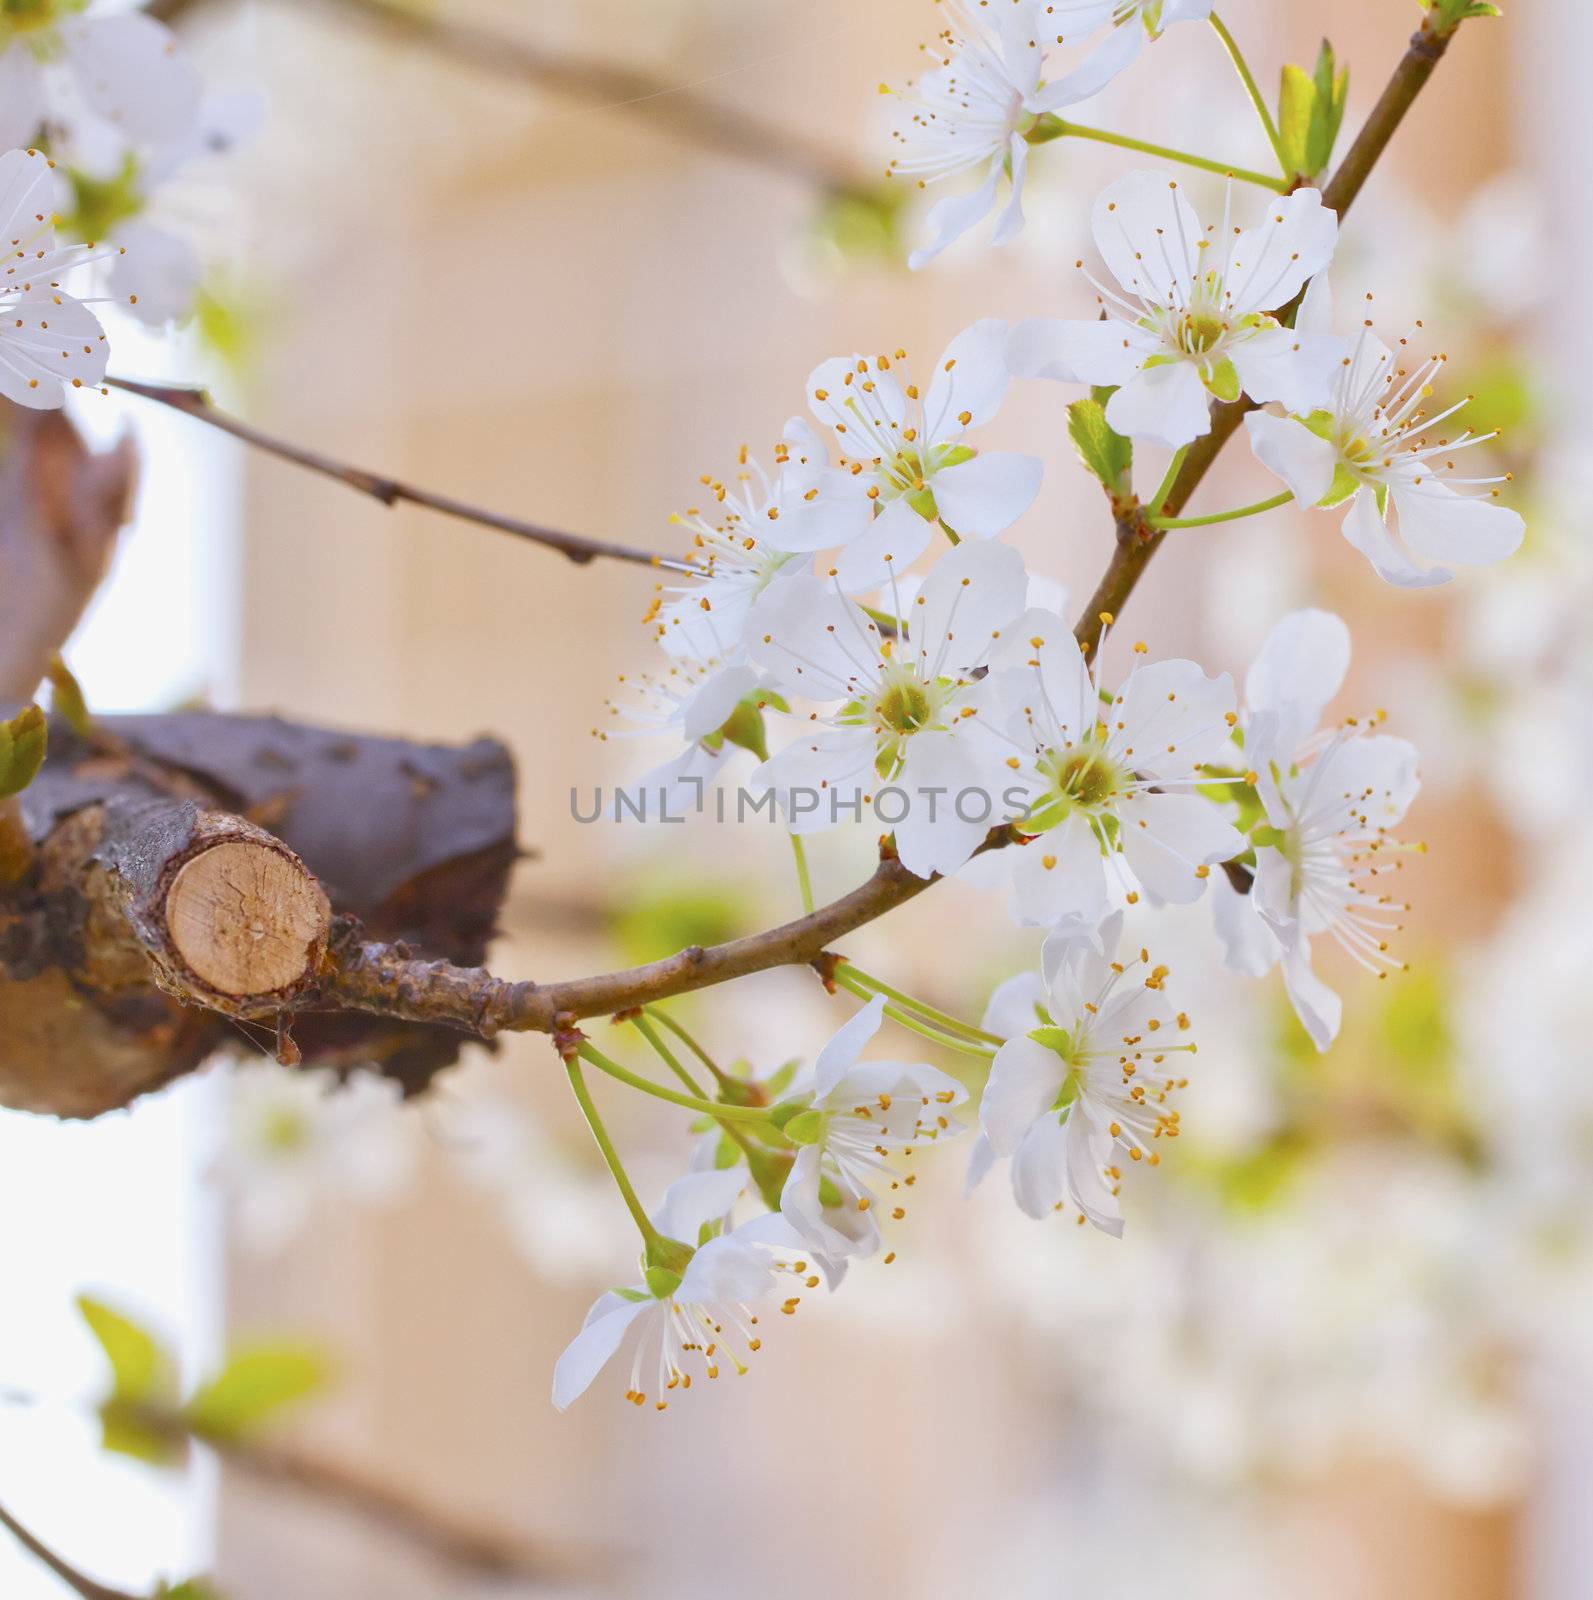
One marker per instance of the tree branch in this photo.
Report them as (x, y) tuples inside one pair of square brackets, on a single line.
[(577, 547), (713, 126), (1137, 541), (81, 1584)]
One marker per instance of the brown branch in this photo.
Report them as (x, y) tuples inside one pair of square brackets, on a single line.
[(80, 1583), (1137, 541), (724, 130), (577, 547)]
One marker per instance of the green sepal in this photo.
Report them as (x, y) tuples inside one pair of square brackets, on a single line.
[(22, 745), (1266, 837), (101, 205), (669, 1254), (189, 1589), (1344, 485), (806, 1127), (66, 697), (744, 727), (661, 1281), (830, 1193), (1053, 1038), (635, 1296), (782, 1113), (1223, 381), (1444, 16)]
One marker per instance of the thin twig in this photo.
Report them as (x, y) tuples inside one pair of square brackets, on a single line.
[(712, 125), (80, 1583), (577, 547)]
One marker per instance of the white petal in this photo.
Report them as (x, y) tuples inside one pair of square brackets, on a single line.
[(1040, 1169), (981, 1158), (21, 97), (727, 1271), (1025, 1080), (950, 218), (1298, 671), (591, 1350), (813, 640), (1290, 450), (707, 710), (1013, 1007), (985, 496), (1061, 878), (1299, 370), (826, 509), (1249, 946), (972, 595), (1117, 53), (1010, 223), (846, 1046), (1444, 526), (133, 75), (1077, 352), (1180, 832), (838, 1234), (1173, 718), (1272, 263), (48, 340), (1316, 309), (976, 382), (820, 780), (1318, 1008), (690, 1203), (1149, 236), (895, 539), (1088, 1150), (946, 787), (1167, 405), (161, 269), (1365, 529), (1048, 676)]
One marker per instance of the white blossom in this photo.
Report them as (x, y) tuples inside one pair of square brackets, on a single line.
[(1107, 784), (1083, 1081), (905, 459), (862, 1113), (1326, 857), (49, 341), (92, 72), (904, 710), (1193, 320), (705, 1318), (301, 1139), (1132, 23), (1373, 448)]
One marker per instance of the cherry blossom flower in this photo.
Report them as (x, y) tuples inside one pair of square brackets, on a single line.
[(750, 535), (1325, 857), (1372, 447), (48, 339), (1102, 781), (969, 113), (1082, 1082), (705, 1317), (862, 1112), (299, 1138), (99, 71), (1194, 319), (907, 709), (905, 456), (1132, 22)]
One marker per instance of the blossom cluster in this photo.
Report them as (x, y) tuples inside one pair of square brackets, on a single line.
[(811, 631), (102, 116)]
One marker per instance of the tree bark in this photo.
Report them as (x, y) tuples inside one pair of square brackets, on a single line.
[(191, 877)]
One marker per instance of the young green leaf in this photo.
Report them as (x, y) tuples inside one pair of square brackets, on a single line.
[(66, 697), (142, 1370), (1107, 454), (1296, 100), (1447, 15), (253, 1387), (1332, 86), (22, 744)]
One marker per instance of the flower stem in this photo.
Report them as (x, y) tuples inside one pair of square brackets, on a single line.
[(663, 1018), (942, 1019), (1247, 78), (1076, 130), (1223, 516), (713, 1108), (915, 1024), (804, 878), (616, 1167), (645, 1027), (1159, 499)]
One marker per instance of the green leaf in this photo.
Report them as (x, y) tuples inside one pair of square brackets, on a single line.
[(253, 1387), (22, 744), (1107, 454), (1332, 89), (1447, 15), (142, 1370), (1296, 100)]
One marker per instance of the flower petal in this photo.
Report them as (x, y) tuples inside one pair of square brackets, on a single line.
[(846, 1046), (690, 1203), (1149, 236), (1365, 529), (1013, 1008), (1297, 672), (1077, 352), (1272, 263), (1166, 837), (1116, 54), (592, 1349), (951, 217), (134, 76), (1444, 526), (972, 376), (1289, 449), (1296, 369), (1167, 405), (985, 496), (895, 539), (1025, 1079)]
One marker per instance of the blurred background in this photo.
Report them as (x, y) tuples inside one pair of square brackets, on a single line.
[(1343, 1349)]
